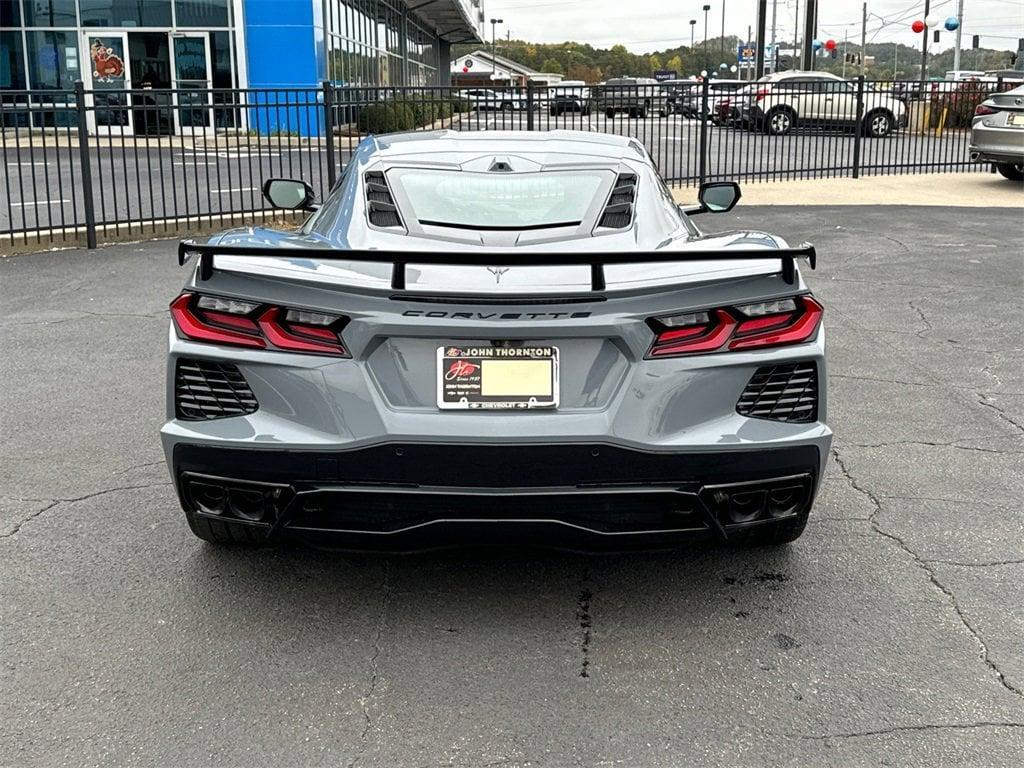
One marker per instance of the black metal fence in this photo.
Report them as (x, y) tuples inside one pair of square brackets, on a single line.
[(87, 166)]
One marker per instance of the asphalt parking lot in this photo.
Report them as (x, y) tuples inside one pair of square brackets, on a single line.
[(890, 633)]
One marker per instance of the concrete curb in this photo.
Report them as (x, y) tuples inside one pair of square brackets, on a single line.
[(949, 190)]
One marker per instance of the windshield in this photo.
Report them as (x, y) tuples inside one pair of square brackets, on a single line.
[(498, 200)]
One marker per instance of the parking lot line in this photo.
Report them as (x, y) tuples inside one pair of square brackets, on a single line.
[(240, 189), (39, 202)]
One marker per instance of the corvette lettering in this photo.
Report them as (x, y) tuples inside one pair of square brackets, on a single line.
[(495, 315)]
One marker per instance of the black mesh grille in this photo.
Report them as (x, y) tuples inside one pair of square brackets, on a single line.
[(380, 204), (208, 390), (782, 392), (618, 213)]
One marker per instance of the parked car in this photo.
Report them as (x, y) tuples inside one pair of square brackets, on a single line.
[(569, 96), (997, 133), (784, 100), (682, 97), (506, 99), (635, 96), (496, 332)]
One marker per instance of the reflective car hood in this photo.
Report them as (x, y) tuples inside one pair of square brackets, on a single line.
[(504, 276)]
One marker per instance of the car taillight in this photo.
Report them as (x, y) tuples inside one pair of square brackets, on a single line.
[(246, 324), (749, 326), (300, 331), (981, 109)]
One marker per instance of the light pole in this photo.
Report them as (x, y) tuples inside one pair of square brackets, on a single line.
[(721, 44), (706, 9), (693, 23), (494, 50)]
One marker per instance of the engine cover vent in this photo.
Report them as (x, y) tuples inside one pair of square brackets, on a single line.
[(618, 213), (380, 204)]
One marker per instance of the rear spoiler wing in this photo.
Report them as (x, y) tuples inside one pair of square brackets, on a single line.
[(401, 259)]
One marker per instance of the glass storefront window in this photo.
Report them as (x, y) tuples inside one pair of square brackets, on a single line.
[(50, 13), (126, 13), (12, 62), (53, 61), (10, 16), (201, 13)]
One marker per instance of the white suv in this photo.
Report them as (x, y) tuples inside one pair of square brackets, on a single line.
[(780, 102)]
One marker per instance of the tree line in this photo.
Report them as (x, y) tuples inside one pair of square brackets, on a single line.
[(581, 61)]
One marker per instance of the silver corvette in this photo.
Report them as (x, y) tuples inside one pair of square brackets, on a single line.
[(492, 337)]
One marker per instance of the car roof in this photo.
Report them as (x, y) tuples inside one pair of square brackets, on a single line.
[(804, 74), (604, 145)]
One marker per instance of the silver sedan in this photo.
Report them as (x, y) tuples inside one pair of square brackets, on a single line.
[(997, 133)]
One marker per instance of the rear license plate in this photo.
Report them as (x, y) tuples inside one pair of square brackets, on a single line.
[(1016, 120), (497, 378)]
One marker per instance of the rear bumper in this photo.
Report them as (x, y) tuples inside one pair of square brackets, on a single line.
[(406, 496)]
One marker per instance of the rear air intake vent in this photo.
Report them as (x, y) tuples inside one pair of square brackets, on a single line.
[(379, 203), (782, 392), (207, 390), (618, 213)]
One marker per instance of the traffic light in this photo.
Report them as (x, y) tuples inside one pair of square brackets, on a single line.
[(976, 41), (833, 53)]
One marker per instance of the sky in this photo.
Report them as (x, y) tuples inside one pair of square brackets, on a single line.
[(650, 25)]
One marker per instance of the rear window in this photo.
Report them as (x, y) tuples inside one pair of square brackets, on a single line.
[(498, 200)]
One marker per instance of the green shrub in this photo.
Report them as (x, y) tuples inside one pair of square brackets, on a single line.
[(386, 117)]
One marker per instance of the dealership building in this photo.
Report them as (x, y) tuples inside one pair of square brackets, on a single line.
[(121, 44)]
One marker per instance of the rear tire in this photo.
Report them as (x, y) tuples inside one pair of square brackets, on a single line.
[(878, 125), (779, 121), (225, 532), (1011, 171)]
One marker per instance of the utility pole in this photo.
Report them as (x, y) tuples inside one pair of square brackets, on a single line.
[(864, 38), (960, 26), (706, 9), (810, 31), (721, 45), (796, 30), (846, 35), (924, 43), (775, 58), (762, 14)]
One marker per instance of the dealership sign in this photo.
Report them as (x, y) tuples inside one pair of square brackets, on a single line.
[(661, 75), (745, 53)]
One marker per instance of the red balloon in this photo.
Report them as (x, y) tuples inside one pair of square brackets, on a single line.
[(830, 44), (917, 26), (465, 69)]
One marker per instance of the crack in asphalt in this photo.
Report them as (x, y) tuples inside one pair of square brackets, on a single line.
[(952, 444), (138, 466), (983, 400), (921, 315), (55, 502), (990, 564), (82, 313), (923, 565), (374, 668), (905, 728)]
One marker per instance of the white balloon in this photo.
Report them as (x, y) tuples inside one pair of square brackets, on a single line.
[(703, 73), (932, 20)]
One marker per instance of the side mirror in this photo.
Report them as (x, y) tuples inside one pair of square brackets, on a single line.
[(289, 194), (716, 197)]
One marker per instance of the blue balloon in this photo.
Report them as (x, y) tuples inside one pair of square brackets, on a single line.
[(816, 44), (952, 23)]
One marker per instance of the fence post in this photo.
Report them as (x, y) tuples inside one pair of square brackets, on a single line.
[(704, 117), (858, 128), (329, 131), (83, 158), (529, 105)]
